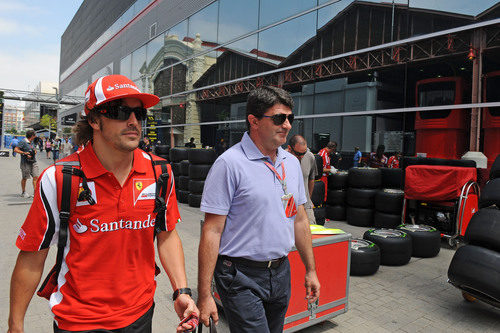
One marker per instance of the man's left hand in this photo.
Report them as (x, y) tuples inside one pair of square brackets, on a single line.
[(312, 286), (184, 306)]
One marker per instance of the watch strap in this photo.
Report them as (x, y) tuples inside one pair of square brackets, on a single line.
[(181, 291)]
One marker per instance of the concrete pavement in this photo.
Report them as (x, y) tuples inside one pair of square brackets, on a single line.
[(410, 298)]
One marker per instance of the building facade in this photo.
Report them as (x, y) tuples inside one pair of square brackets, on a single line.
[(13, 118), (342, 61), (34, 111)]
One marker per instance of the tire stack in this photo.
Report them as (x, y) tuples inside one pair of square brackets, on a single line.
[(200, 162), (318, 200), (163, 151), (474, 267), (363, 185), (336, 196), (178, 158)]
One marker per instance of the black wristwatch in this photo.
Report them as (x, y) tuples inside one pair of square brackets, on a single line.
[(181, 291)]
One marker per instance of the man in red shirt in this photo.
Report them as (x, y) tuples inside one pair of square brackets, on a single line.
[(107, 277), (393, 162), (327, 168)]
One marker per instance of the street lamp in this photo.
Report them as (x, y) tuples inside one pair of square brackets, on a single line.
[(57, 111)]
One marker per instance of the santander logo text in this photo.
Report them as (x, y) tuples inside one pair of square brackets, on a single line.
[(97, 226)]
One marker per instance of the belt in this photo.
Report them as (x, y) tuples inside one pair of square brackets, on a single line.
[(275, 263)]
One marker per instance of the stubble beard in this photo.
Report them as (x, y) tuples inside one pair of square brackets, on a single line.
[(119, 141)]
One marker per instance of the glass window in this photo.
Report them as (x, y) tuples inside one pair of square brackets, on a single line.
[(138, 62), (106, 70), (285, 38), (174, 41), (153, 48), (204, 23), (236, 18), (125, 65), (275, 10)]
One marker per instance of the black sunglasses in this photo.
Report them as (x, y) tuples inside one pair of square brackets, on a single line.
[(122, 112), (279, 119), (296, 153)]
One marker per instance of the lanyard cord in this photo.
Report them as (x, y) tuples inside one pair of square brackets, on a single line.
[(282, 180)]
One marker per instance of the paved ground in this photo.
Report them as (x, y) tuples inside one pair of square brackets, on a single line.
[(410, 298)]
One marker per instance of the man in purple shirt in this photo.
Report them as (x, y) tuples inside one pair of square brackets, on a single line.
[(254, 203)]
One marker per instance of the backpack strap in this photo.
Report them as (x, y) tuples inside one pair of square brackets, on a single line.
[(162, 188)]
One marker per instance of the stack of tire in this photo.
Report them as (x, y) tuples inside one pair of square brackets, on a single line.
[(363, 185), (336, 196), (318, 200), (180, 167), (389, 199), (475, 266), (163, 151), (200, 162)]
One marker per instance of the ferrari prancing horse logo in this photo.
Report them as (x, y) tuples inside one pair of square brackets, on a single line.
[(138, 186)]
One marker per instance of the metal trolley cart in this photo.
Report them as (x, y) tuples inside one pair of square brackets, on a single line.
[(444, 197), (332, 253)]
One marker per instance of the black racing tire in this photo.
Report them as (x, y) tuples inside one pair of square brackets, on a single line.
[(201, 156), (490, 194), (361, 197), (385, 220), (426, 240), (183, 183), (391, 178), (318, 194), (495, 168), (176, 169), (196, 186), (184, 168), (176, 181), (336, 197), (178, 154), (199, 171), (389, 201), (338, 180), (162, 150), (484, 229), (407, 161), (475, 270), (183, 196), (319, 215), (365, 257), (194, 200), (164, 156), (335, 213), (319, 165), (364, 177), (395, 245), (360, 217)]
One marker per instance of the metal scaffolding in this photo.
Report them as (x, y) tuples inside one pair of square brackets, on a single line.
[(32, 96)]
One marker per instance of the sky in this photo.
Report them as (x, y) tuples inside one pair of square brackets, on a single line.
[(30, 38)]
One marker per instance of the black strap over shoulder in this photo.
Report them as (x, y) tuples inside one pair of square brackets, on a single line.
[(161, 191)]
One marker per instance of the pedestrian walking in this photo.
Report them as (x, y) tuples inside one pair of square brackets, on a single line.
[(106, 282), (356, 160), (29, 167), (297, 146), (48, 147), (13, 145), (66, 148), (254, 214), (56, 148)]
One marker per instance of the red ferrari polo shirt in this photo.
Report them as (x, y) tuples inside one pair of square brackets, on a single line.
[(107, 278)]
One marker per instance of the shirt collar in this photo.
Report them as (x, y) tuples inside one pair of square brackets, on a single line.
[(253, 153), (93, 168)]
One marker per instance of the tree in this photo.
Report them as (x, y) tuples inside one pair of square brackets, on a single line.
[(46, 120), (12, 130)]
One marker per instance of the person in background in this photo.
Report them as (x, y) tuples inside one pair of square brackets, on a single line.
[(357, 157), (220, 147), (66, 148), (13, 145), (29, 167), (378, 159), (190, 144), (41, 144), (48, 147), (393, 162), (297, 146), (327, 168), (56, 148), (335, 156), (145, 145)]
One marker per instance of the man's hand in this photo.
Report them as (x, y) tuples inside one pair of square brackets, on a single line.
[(207, 309), (312, 286), (184, 306)]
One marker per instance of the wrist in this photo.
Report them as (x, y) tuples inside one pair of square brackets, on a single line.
[(181, 291)]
